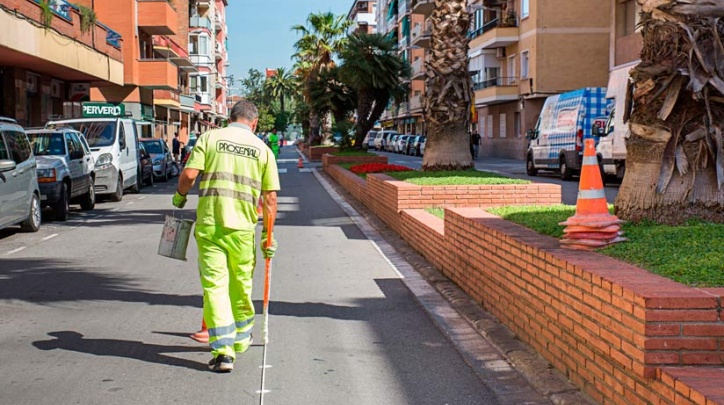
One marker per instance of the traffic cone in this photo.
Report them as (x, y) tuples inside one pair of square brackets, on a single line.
[(201, 336), (592, 226), (300, 163)]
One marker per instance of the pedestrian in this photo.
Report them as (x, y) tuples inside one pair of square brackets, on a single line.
[(235, 169), (274, 143), (475, 142), (176, 147)]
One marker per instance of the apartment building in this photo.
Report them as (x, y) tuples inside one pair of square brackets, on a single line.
[(48, 63), (363, 14), (208, 40), (521, 52)]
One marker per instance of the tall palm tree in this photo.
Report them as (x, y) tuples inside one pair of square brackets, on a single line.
[(322, 37), (449, 89), (373, 68), (281, 86), (675, 153)]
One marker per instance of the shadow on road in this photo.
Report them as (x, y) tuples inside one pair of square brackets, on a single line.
[(129, 349), (48, 280)]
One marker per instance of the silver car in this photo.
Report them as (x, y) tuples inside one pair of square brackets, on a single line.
[(65, 170), (19, 194), (163, 164)]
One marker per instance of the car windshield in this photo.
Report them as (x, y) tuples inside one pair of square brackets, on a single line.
[(97, 133), (47, 143), (153, 147)]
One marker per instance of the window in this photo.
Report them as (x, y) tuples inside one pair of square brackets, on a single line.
[(194, 84), (524, 64), (524, 8), (18, 145), (198, 45), (627, 17), (3, 150), (122, 137), (503, 126), (203, 84), (75, 141), (194, 45), (511, 71)]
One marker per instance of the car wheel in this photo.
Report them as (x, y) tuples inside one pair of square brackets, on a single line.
[(32, 222), (530, 167), (62, 207), (88, 200), (566, 172), (136, 187), (118, 195), (164, 178), (140, 181), (149, 181)]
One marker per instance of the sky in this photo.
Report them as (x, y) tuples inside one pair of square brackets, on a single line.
[(260, 34)]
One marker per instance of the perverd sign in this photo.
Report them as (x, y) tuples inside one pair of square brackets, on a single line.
[(103, 110)]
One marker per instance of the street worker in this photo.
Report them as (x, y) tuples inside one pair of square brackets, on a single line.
[(235, 169), (274, 142)]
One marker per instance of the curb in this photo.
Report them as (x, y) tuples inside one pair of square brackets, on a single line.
[(470, 329)]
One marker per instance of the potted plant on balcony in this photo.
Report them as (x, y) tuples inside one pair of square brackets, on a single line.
[(46, 13), (87, 18)]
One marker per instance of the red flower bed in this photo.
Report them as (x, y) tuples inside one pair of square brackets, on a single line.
[(367, 168)]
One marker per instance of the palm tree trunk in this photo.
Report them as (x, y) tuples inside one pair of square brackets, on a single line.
[(449, 89), (674, 156), (314, 134), (365, 116)]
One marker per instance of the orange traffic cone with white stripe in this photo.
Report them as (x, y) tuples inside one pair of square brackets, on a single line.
[(300, 163), (201, 336), (592, 226)]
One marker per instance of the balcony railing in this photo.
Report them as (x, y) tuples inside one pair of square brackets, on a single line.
[(496, 81), (510, 20), (200, 22)]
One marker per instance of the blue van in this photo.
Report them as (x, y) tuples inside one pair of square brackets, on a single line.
[(556, 143)]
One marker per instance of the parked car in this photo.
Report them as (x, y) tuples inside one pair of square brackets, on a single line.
[(405, 142), (145, 165), (190, 146), (113, 143), (161, 157), (65, 170), (414, 145), (369, 142), (390, 145), (19, 193), (383, 138), (421, 146), (565, 122)]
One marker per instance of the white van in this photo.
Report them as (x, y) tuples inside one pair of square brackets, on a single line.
[(114, 145), (566, 120), (611, 147)]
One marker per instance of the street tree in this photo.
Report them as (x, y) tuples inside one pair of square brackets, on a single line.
[(449, 89), (373, 69), (281, 86), (675, 112), (322, 37)]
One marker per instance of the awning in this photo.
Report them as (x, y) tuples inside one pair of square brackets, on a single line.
[(392, 10), (406, 27)]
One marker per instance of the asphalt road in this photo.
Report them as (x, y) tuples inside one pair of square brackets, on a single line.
[(515, 168), (90, 314)]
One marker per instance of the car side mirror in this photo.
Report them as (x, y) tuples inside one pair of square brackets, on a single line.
[(6, 165), (531, 134), (610, 130), (76, 154)]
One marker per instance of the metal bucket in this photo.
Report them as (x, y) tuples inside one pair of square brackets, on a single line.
[(175, 237)]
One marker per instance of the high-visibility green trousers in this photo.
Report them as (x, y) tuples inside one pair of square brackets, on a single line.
[(226, 263)]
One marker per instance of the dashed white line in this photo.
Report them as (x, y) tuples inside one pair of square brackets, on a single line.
[(141, 198), (115, 209), (49, 237), (15, 250), (129, 203)]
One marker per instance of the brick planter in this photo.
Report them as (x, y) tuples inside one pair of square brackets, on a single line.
[(328, 159), (621, 333), (315, 153)]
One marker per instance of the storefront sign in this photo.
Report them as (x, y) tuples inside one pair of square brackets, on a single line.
[(103, 110)]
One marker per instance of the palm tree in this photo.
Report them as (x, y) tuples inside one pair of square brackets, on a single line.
[(674, 153), (321, 39), (281, 86), (373, 68), (449, 89)]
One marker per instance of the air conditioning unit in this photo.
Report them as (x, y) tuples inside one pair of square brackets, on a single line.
[(499, 53)]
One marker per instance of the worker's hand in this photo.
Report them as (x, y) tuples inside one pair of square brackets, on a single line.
[(179, 201), (268, 251)]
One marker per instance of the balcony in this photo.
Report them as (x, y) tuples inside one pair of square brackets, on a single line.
[(497, 33), (422, 35), (200, 22), (403, 43), (423, 7), (203, 4), (219, 22), (219, 51), (157, 17), (496, 90), (203, 99), (187, 102), (166, 98), (168, 48), (416, 103), (157, 74), (418, 69), (402, 8)]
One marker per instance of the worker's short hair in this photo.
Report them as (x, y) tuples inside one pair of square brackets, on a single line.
[(245, 110)]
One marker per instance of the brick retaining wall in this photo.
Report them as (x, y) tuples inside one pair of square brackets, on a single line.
[(315, 153), (328, 159), (621, 333)]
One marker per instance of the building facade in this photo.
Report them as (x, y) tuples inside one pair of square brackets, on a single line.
[(48, 64), (523, 51), (363, 15)]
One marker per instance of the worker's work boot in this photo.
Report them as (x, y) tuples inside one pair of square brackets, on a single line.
[(221, 364)]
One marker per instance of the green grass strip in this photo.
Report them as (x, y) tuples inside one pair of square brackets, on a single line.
[(353, 153), (455, 178)]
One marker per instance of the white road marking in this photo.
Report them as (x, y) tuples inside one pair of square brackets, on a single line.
[(15, 250), (129, 203), (49, 237), (141, 198), (305, 170), (115, 209), (286, 160), (282, 170)]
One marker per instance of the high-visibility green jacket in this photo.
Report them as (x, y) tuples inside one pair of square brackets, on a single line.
[(236, 167)]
